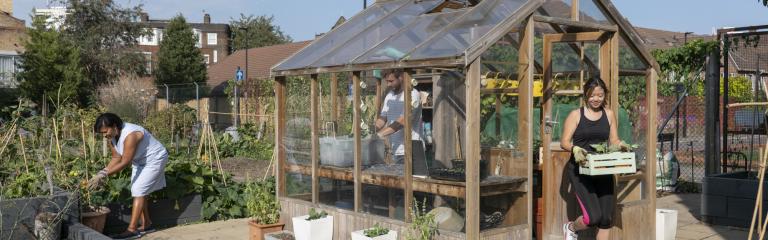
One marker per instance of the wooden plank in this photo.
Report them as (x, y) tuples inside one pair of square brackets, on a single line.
[(476, 49), (526, 60), (630, 223), (549, 172), (407, 129), (576, 37), (605, 74), (358, 151), (489, 187), (572, 23), (650, 169), (315, 121), (280, 134), (449, 62), (472, 137)]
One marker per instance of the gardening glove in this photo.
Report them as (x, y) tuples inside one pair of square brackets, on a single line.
[(580, 155), (97, 181), (623, 147)]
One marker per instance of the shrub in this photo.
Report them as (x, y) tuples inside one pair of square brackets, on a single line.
[(129, 97)]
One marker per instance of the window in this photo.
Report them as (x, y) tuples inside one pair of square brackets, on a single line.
[(207, 58), (148, 62), (215, 56), (212, 40), (8, 70), (199, 36)]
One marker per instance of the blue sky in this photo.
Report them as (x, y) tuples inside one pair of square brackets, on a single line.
[(302, 19)]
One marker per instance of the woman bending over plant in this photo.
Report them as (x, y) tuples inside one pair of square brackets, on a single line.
[(132, 145)]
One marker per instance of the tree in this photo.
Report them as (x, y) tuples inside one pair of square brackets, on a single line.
[(107, 35), (179, 59), (683, 64), (51, 67), (261, 32)]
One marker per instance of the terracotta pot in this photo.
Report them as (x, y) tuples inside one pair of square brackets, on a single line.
[(258, 230), (95, 219)]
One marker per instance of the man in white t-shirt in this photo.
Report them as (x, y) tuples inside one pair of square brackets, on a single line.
[(391, 120)]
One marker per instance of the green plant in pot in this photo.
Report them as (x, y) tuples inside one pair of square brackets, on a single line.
[(377, 232), (263, 207)]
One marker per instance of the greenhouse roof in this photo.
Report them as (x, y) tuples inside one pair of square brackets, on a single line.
[(400, 33)]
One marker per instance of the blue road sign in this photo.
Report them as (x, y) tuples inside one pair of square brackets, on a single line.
[(239, 74)]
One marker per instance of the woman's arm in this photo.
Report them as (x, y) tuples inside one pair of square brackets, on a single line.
[(568, 128), (129, 149), (614, 132)]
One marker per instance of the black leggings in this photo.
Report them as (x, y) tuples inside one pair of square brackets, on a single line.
[(595, 196)]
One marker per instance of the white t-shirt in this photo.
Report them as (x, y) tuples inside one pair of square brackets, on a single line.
[(149, 149), (393, 109)]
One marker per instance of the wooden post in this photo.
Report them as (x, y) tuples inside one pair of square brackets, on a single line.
[(408, 171), (315, 120), (548, 175), (358, 188), (334, 99), (614, 43), (605, 74), (650, 138), (525, 104), (575, 10), (472, 136), (280, 110)]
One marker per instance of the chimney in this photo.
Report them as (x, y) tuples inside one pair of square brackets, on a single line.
[(207, 18), (144, 17), (6, 6)]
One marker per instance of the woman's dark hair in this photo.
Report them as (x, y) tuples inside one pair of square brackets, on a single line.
[(590, 86), (107, 120)]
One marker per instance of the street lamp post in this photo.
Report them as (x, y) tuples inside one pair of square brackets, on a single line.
[(245, 78)]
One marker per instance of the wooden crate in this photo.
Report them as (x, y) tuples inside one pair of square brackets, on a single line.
[(609, 163)]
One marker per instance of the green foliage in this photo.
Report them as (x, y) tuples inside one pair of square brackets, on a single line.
[(24, 185), (178, 120), (249, 145), (683, 65), (739, 88), (51, 67), (604, 147), (376, 231), (107, 34), (179, 59), (314, 215), (261, 32), (423, 224), (261, 202)]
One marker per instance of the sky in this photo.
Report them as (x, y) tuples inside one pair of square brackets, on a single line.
[(302, 19)]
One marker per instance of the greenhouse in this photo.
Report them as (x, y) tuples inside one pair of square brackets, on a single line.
[(494, 80)]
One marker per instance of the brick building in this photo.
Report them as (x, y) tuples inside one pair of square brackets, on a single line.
[(213, 39), (12, 33)]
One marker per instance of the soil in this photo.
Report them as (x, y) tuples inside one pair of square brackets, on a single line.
[(241, 167)]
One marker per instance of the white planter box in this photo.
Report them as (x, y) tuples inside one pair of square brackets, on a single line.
[(360, 235), (666, 224), (609, 163), (339, 151), (319, 229)]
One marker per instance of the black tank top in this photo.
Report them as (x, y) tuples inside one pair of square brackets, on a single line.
[(591, 132)]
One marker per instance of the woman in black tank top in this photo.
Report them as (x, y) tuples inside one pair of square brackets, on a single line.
[(591, 124)]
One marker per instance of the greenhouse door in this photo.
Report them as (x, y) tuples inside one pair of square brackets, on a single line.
[(569, 60)]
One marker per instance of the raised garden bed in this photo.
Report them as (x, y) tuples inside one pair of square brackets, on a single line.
[(729, 199), (163, 212), (18, 215)]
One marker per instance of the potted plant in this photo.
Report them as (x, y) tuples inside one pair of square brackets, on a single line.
[(315, 226), (377, 232), (263, 208), (423, 224), (609, 160)]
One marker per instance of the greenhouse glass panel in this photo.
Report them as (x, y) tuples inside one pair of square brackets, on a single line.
[(465, 31), (340, 35), (344, 53), (590, 12), (397, 46), (555, 8)]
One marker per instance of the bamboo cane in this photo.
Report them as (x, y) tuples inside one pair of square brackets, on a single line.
[(82, 135), (56, 136), (760, 193), (7, 137), (218, 160), (758, 198), (202, 141), (23, 153)]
